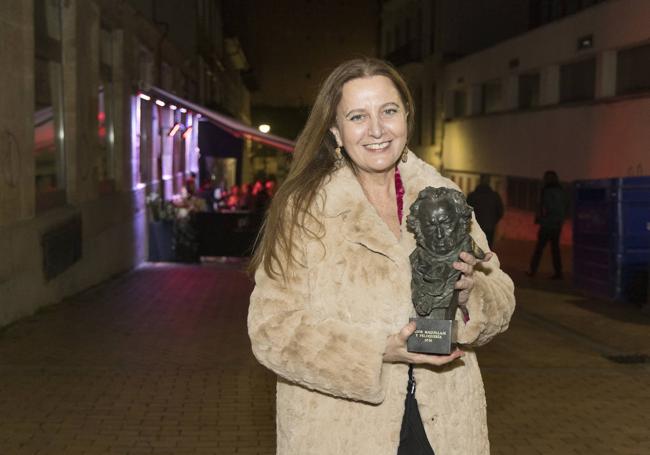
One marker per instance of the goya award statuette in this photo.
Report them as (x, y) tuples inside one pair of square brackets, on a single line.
[(440, 220)]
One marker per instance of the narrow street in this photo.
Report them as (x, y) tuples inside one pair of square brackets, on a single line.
[(158, 362)]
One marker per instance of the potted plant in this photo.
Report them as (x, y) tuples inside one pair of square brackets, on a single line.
[(161, 215)]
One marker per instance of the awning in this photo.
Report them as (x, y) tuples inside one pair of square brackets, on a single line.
[(229, 124)]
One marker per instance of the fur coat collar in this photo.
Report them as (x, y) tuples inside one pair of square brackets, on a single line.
[(360, 223)]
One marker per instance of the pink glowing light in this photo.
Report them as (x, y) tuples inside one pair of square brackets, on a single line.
[(174, 130)]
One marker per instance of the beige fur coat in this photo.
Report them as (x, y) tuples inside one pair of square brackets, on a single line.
[(324, 332)]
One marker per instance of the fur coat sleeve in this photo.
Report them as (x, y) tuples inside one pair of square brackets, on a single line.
[(329, 355), (491, 302)]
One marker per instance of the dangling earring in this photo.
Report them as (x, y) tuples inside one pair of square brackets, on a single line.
[(338, 152), (405, 155)]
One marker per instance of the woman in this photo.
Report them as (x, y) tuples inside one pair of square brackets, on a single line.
[(333, 277)]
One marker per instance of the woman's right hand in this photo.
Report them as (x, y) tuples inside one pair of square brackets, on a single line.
[(396, 350)]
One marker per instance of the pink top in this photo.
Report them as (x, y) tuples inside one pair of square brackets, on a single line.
[(399, 190)]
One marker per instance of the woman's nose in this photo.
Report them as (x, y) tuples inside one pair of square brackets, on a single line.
[(376, 129)]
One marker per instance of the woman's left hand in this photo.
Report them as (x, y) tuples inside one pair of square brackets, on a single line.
[(465, 283)]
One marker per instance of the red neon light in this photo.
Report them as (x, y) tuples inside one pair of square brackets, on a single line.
[(187, 132)]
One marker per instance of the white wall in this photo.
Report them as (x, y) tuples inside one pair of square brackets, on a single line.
[(604, 137), (583, 142), (614, 24)]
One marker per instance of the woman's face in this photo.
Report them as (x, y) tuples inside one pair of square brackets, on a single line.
[(371, 123)]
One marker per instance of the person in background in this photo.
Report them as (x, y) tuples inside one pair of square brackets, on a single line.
[(246, 197), (269, 185), (257, 187), (233, 198), (550, 217), (261, 198), (487, 206), (190, 183)]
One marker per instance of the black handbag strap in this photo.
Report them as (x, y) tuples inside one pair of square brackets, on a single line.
[(410, 387)]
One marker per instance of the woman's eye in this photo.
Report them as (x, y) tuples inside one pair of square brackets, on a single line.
[(391, 111), (356, 117)]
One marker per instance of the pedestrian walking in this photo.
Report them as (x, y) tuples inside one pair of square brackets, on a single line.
[(332, 299), (487, 206), (550, 217)]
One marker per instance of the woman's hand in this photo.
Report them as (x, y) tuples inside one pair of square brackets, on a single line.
[(465, 283), (396, 350)]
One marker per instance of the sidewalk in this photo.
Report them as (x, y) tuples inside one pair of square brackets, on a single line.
[(614, 328), (153, 362), (158, 362), (571, 374)]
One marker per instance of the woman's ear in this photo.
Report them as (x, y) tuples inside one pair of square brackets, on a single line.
[(337, 135)]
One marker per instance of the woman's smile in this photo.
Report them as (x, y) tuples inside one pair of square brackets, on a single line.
[(378, 146)]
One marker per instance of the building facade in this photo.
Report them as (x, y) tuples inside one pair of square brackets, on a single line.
[(534, 85), (421, 37), (80, 149), (570, 95)]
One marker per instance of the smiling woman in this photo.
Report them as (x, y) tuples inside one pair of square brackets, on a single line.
[(332, 293), (371, 130), (371, 125)]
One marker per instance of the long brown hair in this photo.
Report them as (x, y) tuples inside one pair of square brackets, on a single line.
[(314, 159)]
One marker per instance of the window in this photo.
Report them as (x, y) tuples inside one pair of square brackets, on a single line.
[(178, 150), (545, 11), (578, 81), (145, 66), (155, 157), (633, 73), (459, 103), (146, 111), (523, 193), (145, 119), (49, 154), (491, 97), (529, 90), (105, 114), (167, 150)]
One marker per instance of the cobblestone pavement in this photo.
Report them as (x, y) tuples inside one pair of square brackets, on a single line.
[(154, 362), (158, 362)]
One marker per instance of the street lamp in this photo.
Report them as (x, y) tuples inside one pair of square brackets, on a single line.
[(264, 128)]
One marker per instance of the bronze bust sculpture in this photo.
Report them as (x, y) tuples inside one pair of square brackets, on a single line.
[(440, 220)]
